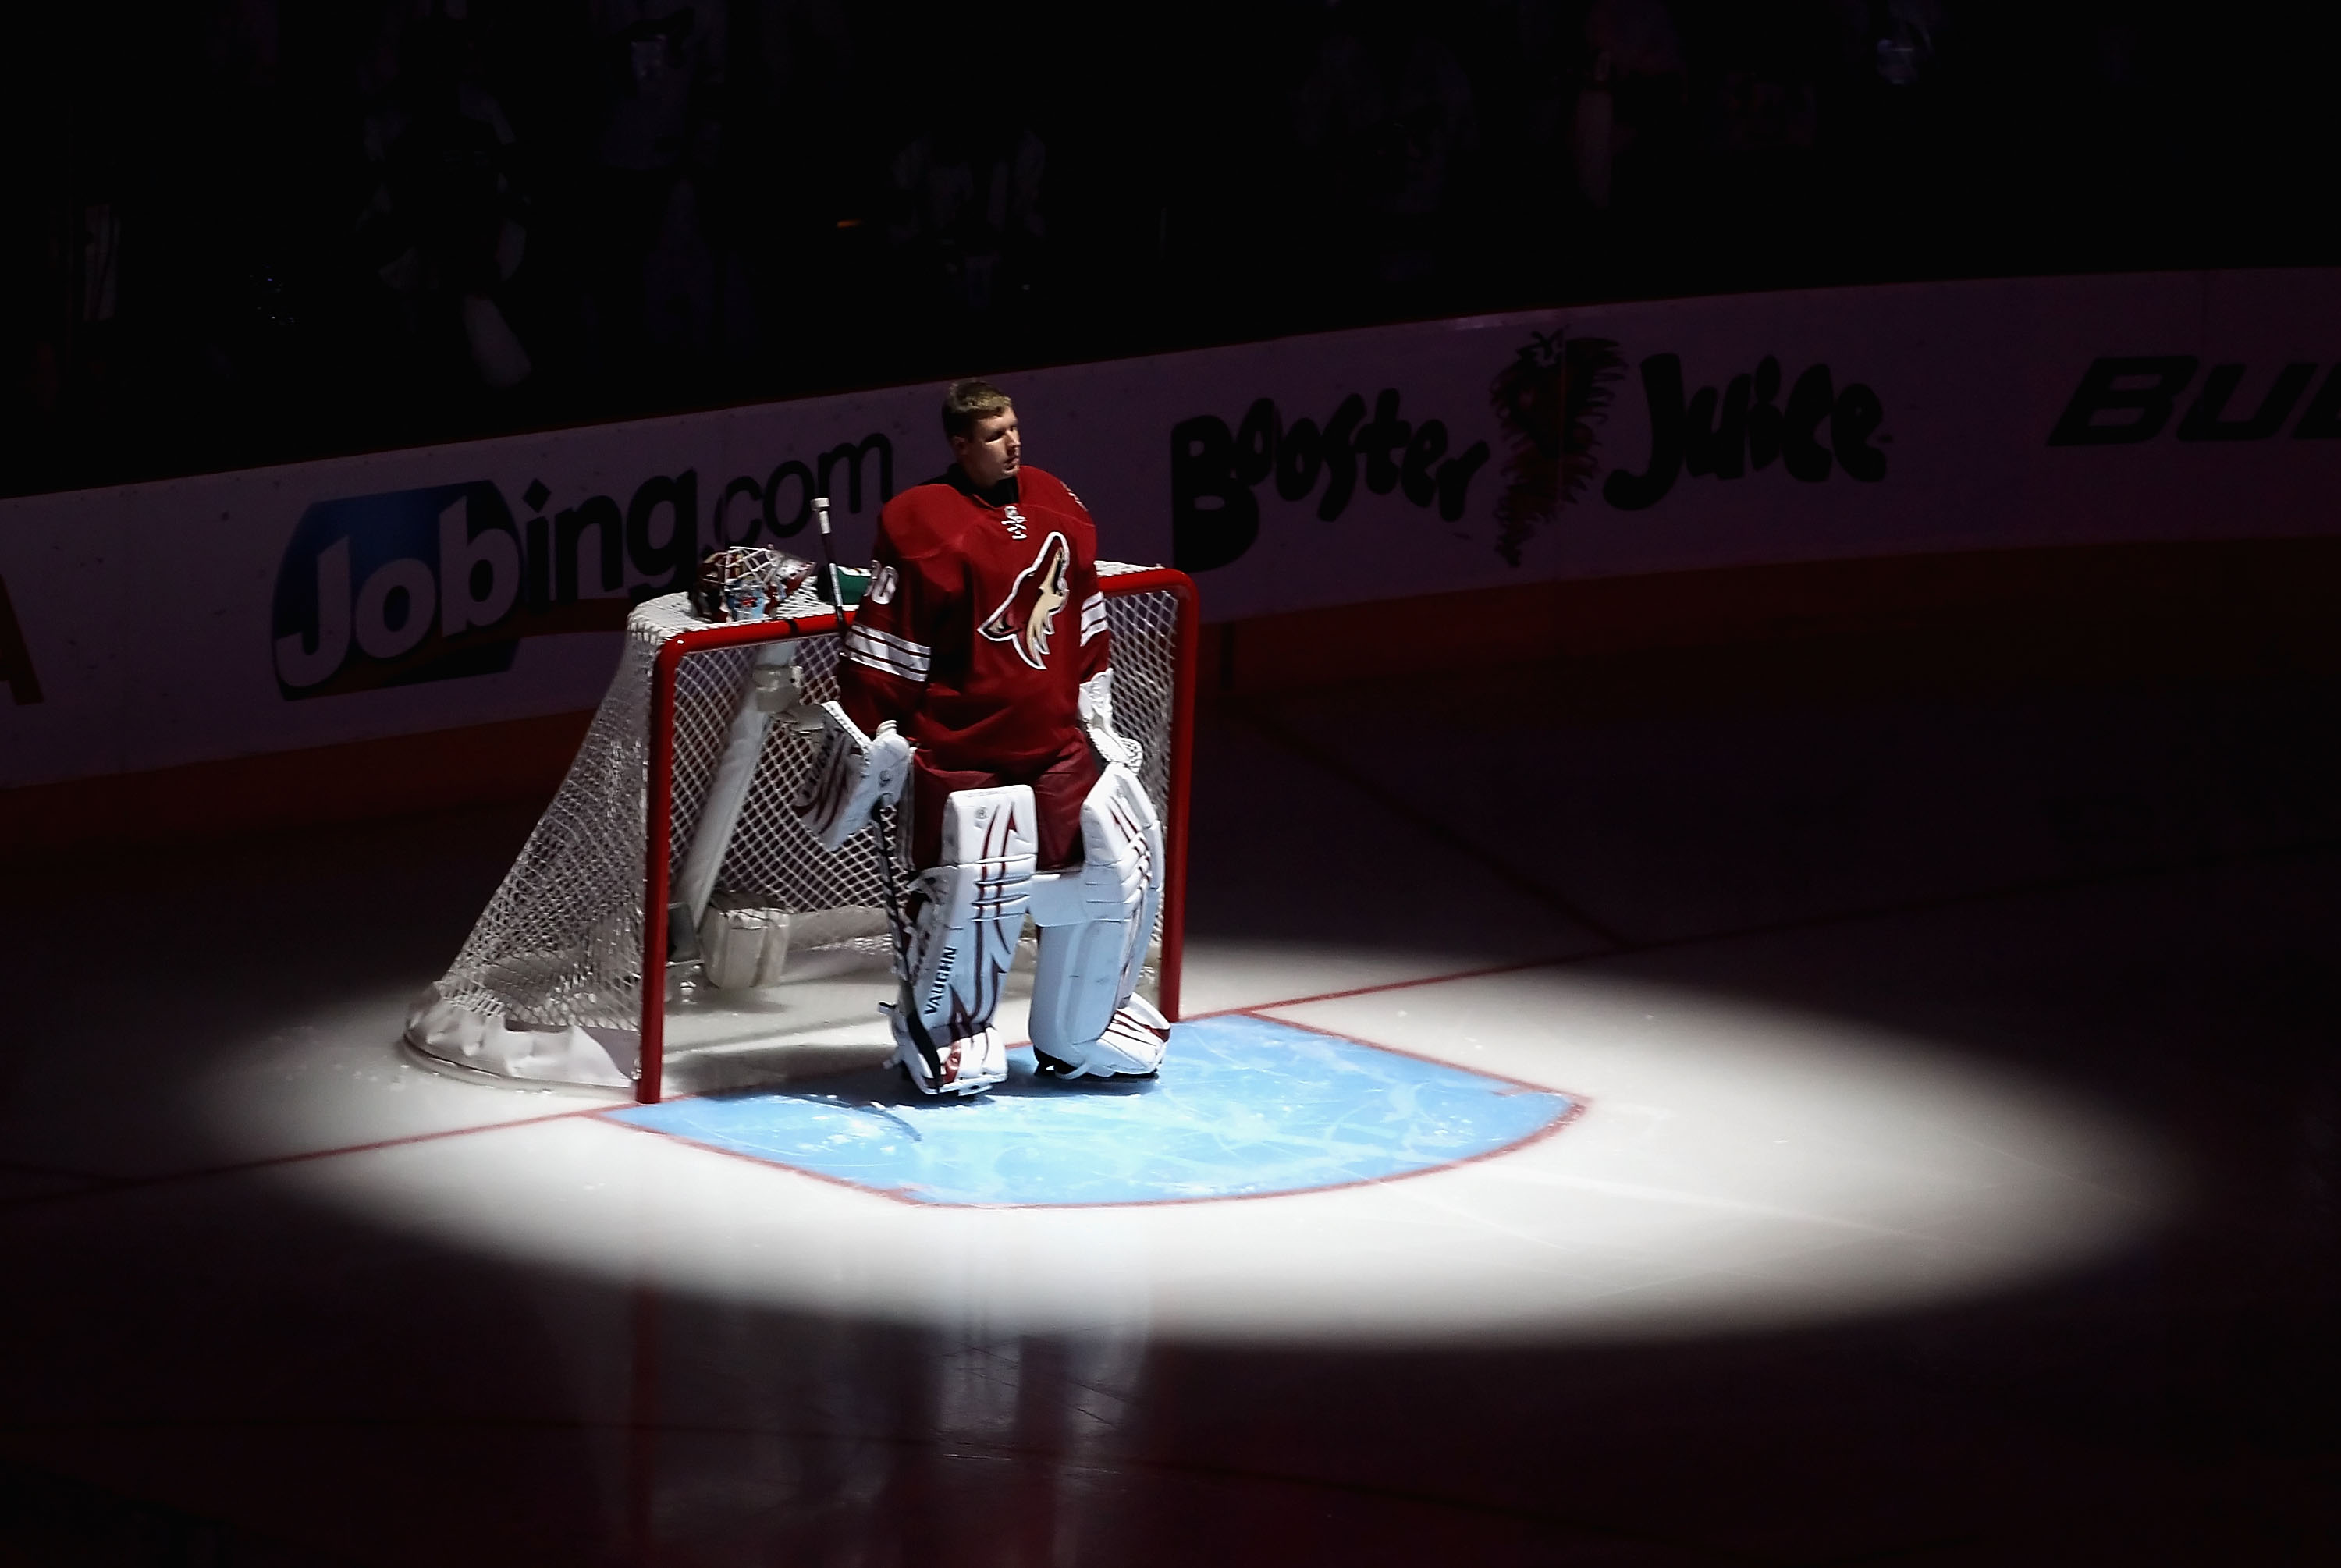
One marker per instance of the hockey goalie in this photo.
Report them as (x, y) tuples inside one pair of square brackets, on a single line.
[(977, 680)]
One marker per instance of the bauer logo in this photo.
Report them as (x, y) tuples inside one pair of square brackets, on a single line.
[(2122, 401)]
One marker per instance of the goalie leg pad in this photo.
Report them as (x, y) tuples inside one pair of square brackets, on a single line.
[(1095, 923), (963, 939)]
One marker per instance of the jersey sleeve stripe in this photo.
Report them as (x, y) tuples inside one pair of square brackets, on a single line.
[(858, 632), (1092, 617), (916, 675), (883, 650)]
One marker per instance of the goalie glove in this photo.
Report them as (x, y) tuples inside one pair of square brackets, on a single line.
[(852, 776), (1096, 706)]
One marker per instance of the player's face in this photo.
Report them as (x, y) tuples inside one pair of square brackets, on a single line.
[(992, 450)]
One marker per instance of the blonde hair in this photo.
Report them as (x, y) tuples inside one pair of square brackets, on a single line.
[(969, 400)]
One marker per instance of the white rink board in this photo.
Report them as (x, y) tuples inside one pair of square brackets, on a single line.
[(157, 617)]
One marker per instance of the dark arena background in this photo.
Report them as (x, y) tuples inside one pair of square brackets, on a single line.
[(1752, 766)]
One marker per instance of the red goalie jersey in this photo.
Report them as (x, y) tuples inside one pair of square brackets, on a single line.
[(979, 625)]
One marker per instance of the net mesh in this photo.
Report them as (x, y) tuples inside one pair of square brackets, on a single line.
[(560, 942)]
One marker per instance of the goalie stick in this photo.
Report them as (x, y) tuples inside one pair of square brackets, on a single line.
[(882, 818), (882, 822), (831, 588)]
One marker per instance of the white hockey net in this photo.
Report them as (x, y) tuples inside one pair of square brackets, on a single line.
[(549, 986)]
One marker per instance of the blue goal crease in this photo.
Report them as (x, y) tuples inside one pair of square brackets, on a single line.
[(1244, 1106)]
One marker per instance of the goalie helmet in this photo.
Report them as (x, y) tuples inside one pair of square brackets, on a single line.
[(746, 582)]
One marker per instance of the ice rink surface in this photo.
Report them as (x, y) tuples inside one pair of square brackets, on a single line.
[(1896, 1127)]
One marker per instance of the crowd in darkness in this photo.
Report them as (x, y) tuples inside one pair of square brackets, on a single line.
[(254, 230)]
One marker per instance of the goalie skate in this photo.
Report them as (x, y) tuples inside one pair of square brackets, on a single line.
[(1131, 1047), (967, 1066)]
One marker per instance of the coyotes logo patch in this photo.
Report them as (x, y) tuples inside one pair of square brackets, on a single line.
[(1028, 614)]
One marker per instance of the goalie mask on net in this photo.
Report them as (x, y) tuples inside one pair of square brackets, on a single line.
[(746, 582)]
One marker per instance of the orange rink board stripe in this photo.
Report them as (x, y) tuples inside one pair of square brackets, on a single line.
[(2100, 611), (2061, 612), (400, 775)]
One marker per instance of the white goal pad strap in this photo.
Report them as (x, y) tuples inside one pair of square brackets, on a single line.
[(851, 776), (964, 938), (1095, 923)]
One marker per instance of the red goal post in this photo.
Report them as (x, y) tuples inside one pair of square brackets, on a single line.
[(1153, 615)]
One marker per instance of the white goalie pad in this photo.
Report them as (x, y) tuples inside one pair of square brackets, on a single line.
[(962, 940), (1096, 709), (774, 691), (1095, 921), (851, 776)]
